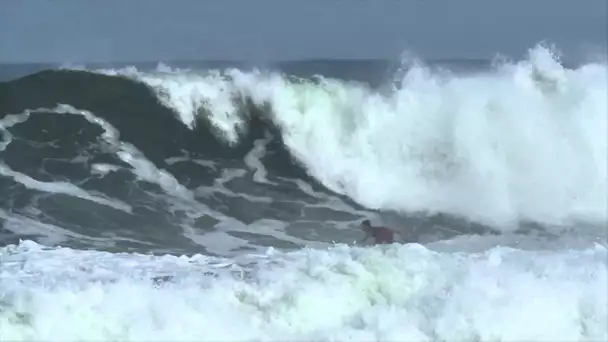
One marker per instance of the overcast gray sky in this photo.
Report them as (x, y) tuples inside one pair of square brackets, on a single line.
[(153, 30)]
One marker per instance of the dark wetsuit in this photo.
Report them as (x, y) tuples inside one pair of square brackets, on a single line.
[(381, 235)]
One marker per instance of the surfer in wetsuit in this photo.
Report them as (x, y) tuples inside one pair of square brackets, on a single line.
[(381, 235)]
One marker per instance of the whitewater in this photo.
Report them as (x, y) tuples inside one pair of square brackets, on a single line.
[(495, 180)]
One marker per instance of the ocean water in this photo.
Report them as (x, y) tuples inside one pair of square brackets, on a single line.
[(221, 202)]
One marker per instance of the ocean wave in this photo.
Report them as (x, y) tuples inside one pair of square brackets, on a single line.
[(176, 204), (521, 142), (524, 141)]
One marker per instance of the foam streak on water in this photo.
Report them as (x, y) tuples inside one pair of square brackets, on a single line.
[(54, 187), (394, 293)]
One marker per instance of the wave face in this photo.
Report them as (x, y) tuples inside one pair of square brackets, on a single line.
[(214, 205)]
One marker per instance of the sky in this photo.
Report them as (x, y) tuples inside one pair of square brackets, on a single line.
[(71, 31)]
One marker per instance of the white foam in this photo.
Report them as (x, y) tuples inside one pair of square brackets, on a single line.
[(189, 93), (397, 293), (524, 141)]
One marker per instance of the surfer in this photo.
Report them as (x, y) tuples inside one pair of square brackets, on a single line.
[(381, 235)]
